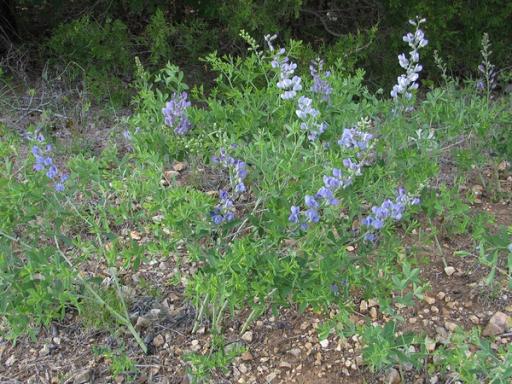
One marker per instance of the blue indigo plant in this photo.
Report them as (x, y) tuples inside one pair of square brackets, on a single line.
[(360, 144), (387, 210), (288, 82), (175, 113), (406, 83), (320, 85), (44, 161), (237, 169), (309, 115)]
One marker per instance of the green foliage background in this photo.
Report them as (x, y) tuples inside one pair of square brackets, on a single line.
[(365, 33)]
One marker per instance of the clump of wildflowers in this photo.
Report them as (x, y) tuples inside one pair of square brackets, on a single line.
[(320, 85), (288, 82), (224, 211), (309, 115), (387, 210), (359, 142), (406, 83), (237, 169), (175, 113), (353, 138), (44, 162)]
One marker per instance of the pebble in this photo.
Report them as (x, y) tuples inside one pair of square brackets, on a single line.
[(10, 361), (179, 166), (449, 270), (45, 350), (441, 295), (295, 352), (243, 368), (247, 336), (474, 319), (429, 300), (373, 313), (158, 341), (430, 345), (373, 303), (246, 356), (82, 377), (195, 346), (450, 326), (363, 306), (324, 343), (285, 364), (393, 377), (498, 324)]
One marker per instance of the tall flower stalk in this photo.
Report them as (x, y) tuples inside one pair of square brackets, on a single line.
[(407, 83)]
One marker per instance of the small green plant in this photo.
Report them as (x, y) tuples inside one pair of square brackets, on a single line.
[(119, 362), (219, 357)]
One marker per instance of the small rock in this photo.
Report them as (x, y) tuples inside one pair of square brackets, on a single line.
[(359, 360), (430, 345), (324, 343), (247, 336), (450, 326), (271, 377), (373, 313), (474, 319), (243, 368), (477, 190), (363, 306), (429, 300), (82, 377), (246, 356), (142, 322), (393, 377), (10, 361), (503, 165), (195, 346), (441, 295), (373, 303), (498, 324), (413, 320), (135, 235), (295, 352), (449, 270), (442, 332), (285, 364), (45, 350), (179, 166), (158, 341)]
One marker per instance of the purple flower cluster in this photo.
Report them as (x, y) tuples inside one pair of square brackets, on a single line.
[(320, 85), (388, 209), (309, 115), (44, 162), (175, 113), (224, 211), (237, 169), (406, 83), (288, 82), (353, 139)]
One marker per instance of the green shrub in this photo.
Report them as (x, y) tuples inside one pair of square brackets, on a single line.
[(99, 53)]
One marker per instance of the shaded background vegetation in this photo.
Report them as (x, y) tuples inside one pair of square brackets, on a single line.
[(100, 38)]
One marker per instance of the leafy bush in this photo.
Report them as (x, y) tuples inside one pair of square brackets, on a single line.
[(98, 53)]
